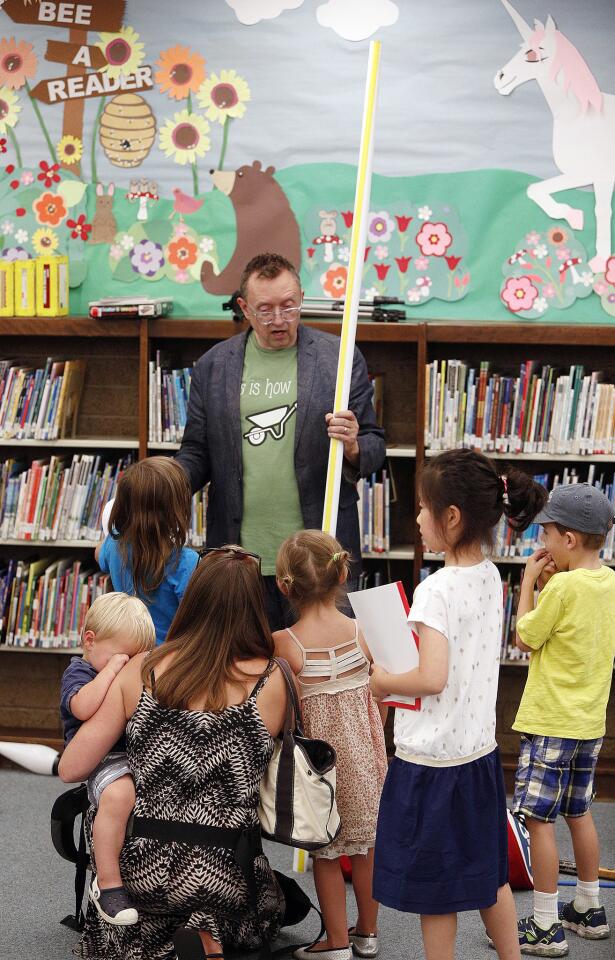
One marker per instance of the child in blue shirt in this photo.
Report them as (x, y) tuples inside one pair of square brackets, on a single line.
[(116, 628), (144, 551)]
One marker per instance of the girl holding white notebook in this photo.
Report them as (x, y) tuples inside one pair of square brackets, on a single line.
[(441, 845)]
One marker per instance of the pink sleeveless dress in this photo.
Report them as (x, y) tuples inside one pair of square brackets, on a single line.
[(338, 707)]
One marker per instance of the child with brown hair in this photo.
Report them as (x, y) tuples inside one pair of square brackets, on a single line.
[(331, 661), (145, 550), (441, 845), (116, 628)]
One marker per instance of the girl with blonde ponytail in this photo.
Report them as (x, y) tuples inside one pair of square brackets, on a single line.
[(331, 661)]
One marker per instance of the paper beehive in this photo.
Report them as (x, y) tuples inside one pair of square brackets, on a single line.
[(127, 130)]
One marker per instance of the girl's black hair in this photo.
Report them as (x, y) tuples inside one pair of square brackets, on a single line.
[(470, 481)]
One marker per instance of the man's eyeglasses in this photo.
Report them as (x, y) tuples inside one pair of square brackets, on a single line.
[(231, 551), (266, 317)]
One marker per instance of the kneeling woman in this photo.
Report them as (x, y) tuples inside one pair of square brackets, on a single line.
[(200, 715)]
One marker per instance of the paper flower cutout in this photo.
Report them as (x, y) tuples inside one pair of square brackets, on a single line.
[(434, 239), (185, 137), (253, 11), (554, 264), (146, 258), (380, 226), (609, 275), (182, 252), (519, 293), (334, 281), (181, 72), (123, 52), (69, 150), (357, 19), (224, 95), (79, 228), (9, 108), (49, 208), (15, 253), (17, 63), (45, 240), (49, 173)]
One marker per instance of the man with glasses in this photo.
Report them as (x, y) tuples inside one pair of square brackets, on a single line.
[(259, 423)]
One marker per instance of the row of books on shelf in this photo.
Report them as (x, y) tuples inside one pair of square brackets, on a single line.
[(509, 543), (43, 603), (42, 403), (374, 506), (539, 411), (62, 498), (58, 498), (169, 391)]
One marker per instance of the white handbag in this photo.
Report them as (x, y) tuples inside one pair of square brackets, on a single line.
[(297, 794)]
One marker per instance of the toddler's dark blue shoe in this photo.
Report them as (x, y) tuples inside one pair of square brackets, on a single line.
[(537, 942), (591, 925)]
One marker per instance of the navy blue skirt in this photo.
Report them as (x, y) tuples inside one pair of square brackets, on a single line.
[(442, 840)]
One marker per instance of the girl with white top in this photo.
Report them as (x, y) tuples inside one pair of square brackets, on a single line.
[(441, 845), (331, 661)]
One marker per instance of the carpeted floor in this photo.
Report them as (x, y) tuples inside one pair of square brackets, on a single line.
[(36, 886)]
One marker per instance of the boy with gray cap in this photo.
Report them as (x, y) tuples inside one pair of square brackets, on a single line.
[(571, 636)]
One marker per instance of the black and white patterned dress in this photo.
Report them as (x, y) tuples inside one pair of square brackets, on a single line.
[(202, 768)]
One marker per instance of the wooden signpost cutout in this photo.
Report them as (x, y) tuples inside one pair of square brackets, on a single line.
[(75, 53), (102, 15), (87, 85)]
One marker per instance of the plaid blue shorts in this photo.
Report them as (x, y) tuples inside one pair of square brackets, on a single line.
[(555, 775)]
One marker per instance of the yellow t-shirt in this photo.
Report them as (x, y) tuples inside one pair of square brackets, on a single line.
[(572, 636)]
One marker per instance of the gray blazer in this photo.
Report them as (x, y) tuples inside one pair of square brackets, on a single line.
[(211, 447)]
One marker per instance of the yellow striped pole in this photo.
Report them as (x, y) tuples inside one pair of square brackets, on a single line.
[(353, 286)]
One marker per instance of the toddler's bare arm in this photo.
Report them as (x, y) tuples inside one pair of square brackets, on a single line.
[(86, 701)]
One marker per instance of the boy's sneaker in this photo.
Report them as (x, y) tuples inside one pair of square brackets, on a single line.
[(542, 943), (114, 905), (592, 925)]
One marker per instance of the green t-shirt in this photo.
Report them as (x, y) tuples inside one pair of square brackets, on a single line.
[(572, 636), (268, 406)]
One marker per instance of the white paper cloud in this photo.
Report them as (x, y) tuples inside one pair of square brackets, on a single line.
[(253, 11), (357, 19)]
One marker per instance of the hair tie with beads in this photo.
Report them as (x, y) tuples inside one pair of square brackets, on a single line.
[(505, 498), (336, 557)]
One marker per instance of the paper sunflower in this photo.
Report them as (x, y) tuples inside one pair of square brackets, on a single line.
[(45, 241), (9, 108), (185, 137), (181, 72), (224, 96), (17, 63), (123, 52), (69, 150)]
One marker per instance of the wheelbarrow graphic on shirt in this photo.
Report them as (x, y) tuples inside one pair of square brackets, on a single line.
[(270, 421)]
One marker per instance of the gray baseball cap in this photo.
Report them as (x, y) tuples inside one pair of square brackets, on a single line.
[(578, 506)]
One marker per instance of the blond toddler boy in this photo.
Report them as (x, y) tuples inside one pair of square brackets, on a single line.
[(116, 628), (571, 636)]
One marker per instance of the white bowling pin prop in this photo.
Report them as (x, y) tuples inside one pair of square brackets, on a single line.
[(35, 757)]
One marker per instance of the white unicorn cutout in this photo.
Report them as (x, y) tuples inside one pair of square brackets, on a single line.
[(583, 125)]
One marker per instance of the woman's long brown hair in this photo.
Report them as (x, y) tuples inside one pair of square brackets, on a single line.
[(150, 519), (220, 622)]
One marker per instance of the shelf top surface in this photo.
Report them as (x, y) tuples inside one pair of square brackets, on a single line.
[(435, 331)]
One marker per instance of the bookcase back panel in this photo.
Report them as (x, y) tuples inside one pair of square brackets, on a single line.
[(109, 403), (398, 364), (506, 358), (30, 691)]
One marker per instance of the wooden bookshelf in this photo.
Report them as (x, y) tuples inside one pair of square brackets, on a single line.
[(113, 416)]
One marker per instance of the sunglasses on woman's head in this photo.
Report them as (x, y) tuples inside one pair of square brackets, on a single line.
[(231, 551)]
